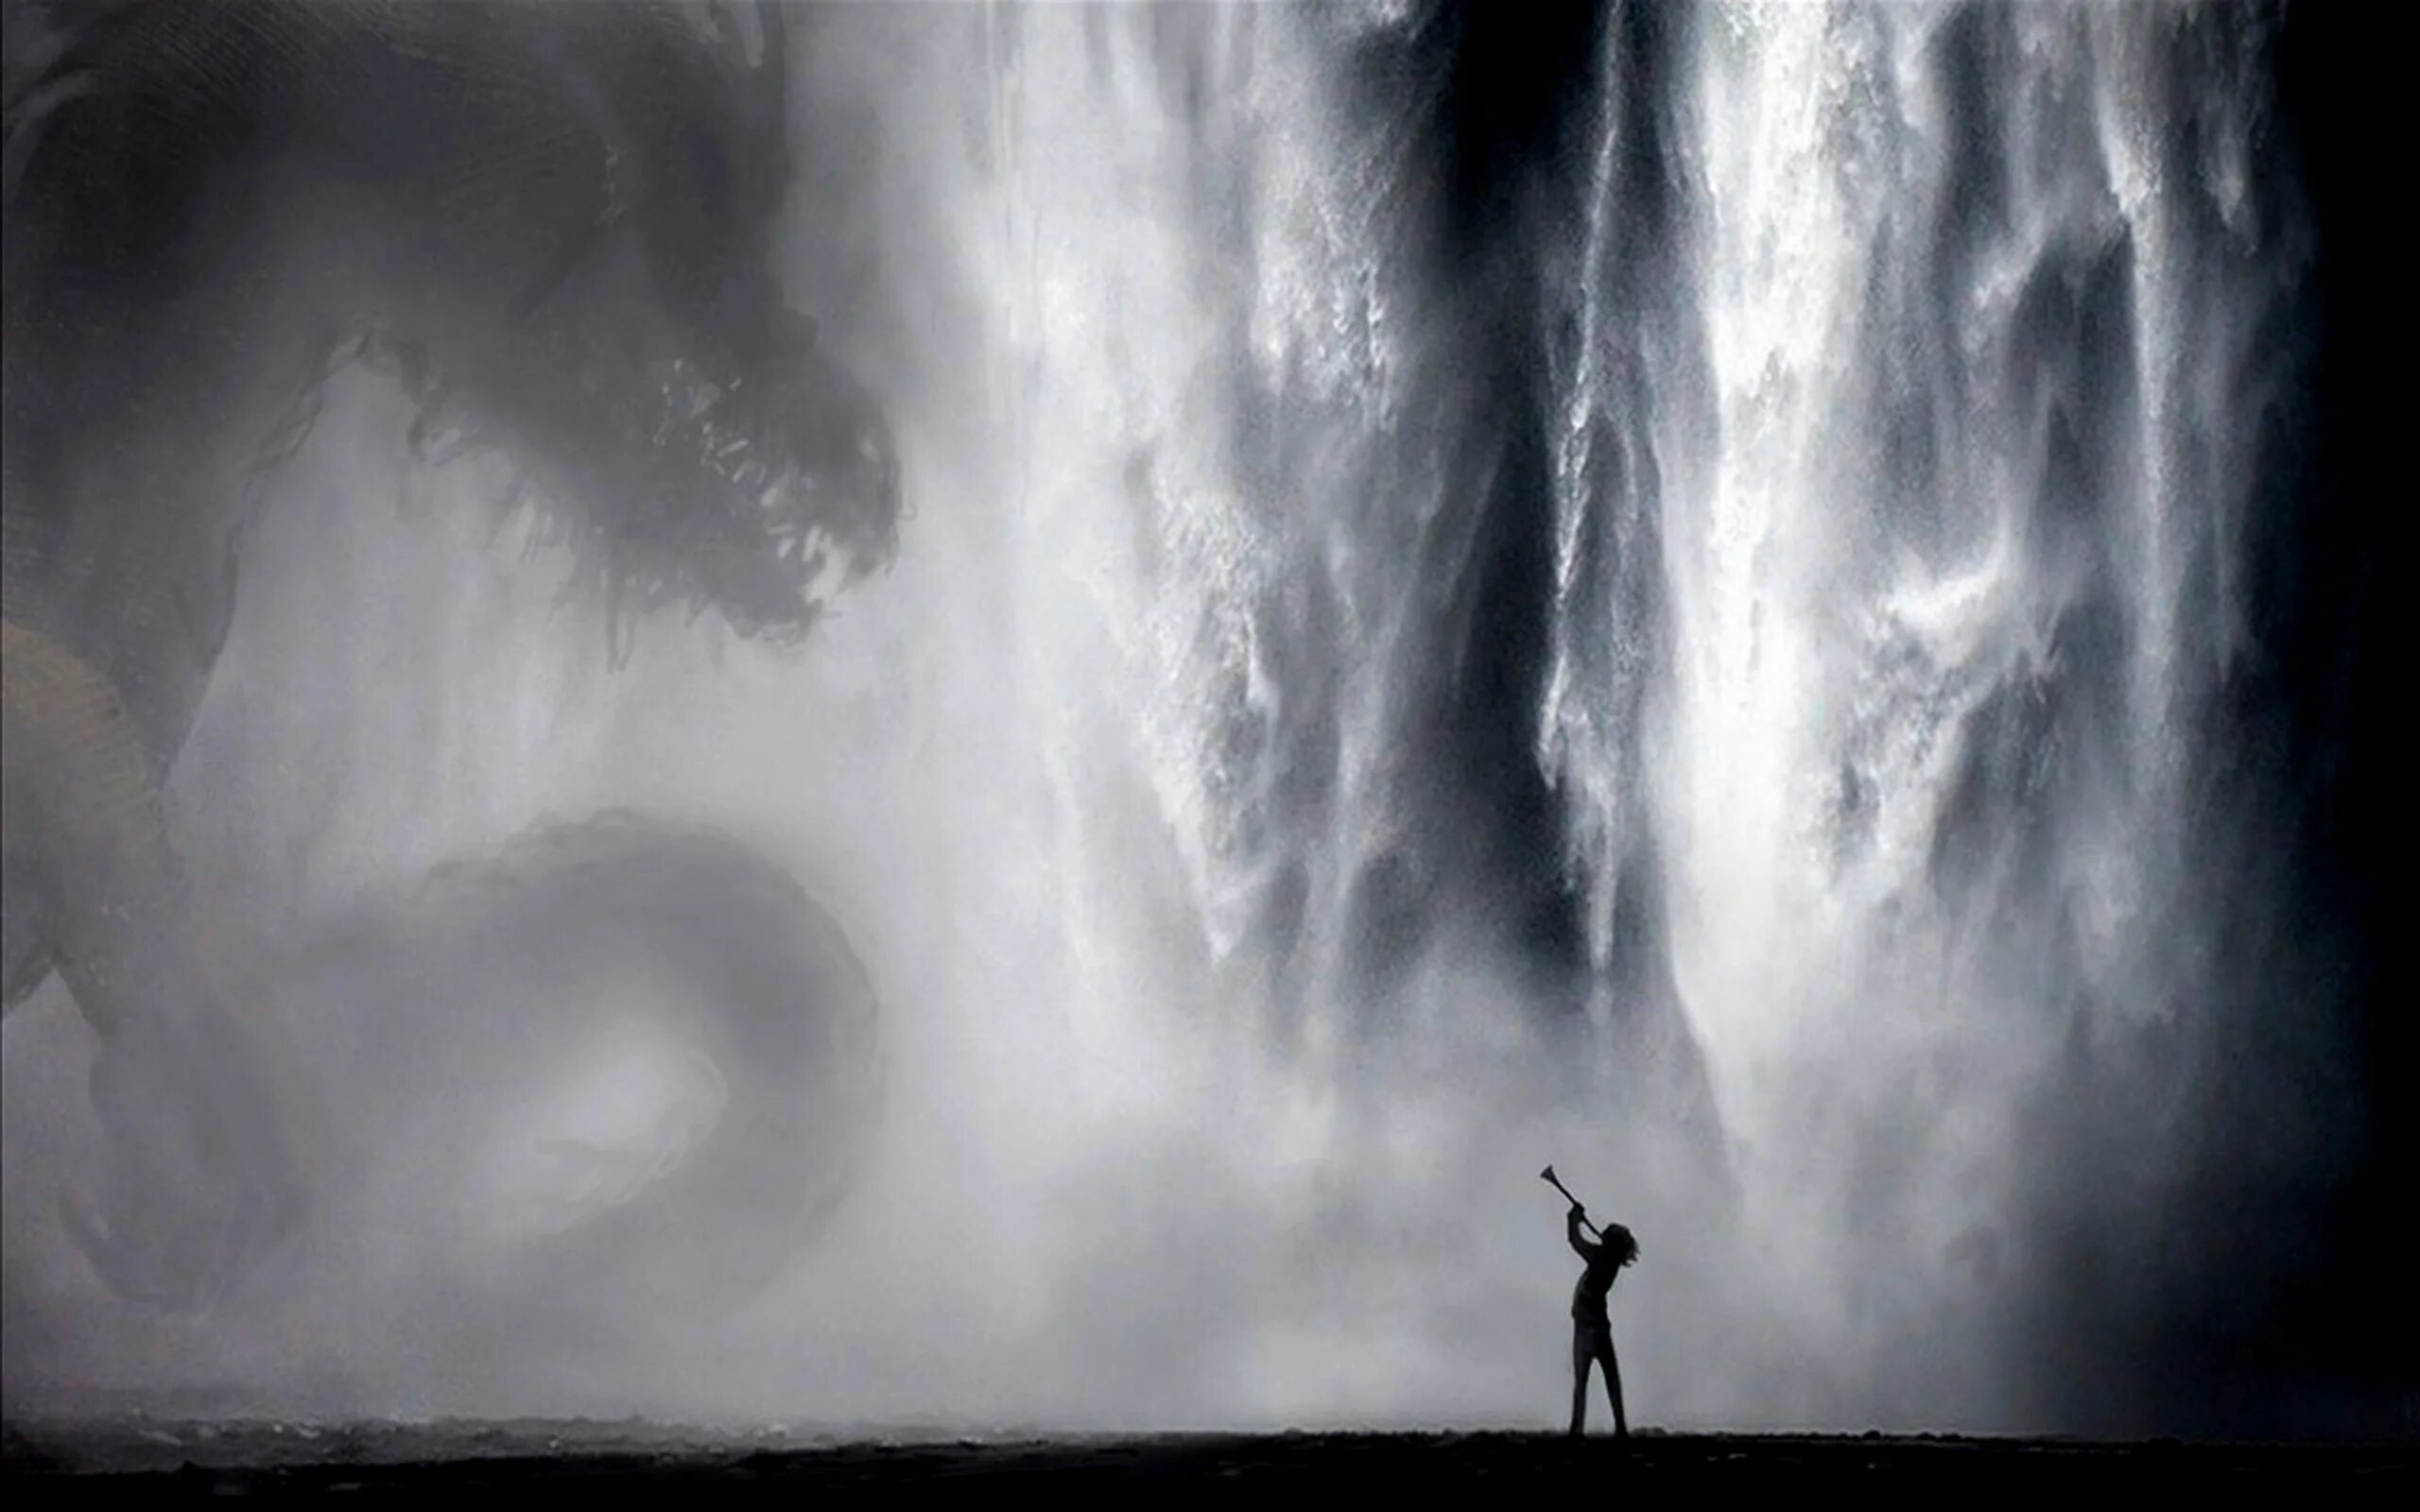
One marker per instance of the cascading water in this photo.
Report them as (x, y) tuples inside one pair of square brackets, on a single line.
[(1898, 372), (1946, 504), (1681, 651)]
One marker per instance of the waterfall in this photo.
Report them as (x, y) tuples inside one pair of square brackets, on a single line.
[(1669, 623), (1948, 499), (1898, 380)]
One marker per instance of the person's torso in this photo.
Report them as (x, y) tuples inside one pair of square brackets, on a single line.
[(1588, 1297)]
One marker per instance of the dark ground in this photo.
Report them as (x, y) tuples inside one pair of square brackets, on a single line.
[(155, 1459)]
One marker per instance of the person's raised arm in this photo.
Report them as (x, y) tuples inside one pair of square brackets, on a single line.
[(1571, 1231)]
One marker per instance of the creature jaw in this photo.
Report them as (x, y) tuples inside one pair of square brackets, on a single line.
[(771, 496), (761, 491)]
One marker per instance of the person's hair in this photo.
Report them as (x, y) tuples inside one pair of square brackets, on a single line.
[(1621, 1242)]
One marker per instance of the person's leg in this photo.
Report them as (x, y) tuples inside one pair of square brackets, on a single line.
[(1580, 1356), (1613, 1383)]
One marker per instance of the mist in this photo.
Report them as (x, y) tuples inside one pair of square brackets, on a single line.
[(1665, 597)]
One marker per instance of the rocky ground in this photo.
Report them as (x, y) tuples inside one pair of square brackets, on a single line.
[(155, 1460)]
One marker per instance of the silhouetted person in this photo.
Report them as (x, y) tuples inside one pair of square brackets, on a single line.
[(1592, 1331)]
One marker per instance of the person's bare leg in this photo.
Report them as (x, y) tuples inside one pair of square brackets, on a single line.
[(1580, 1356), (1614, 1388)]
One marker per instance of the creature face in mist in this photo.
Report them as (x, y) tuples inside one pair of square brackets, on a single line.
[(625, 342), (704, 452), (777, 484), (755, 481)]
